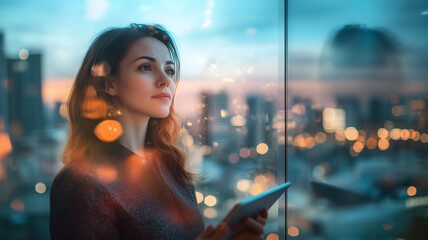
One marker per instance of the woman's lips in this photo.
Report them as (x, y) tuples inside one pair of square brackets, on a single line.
[(163, 96)]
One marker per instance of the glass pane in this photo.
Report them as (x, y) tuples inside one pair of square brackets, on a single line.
[(357, 119), (230, 98)]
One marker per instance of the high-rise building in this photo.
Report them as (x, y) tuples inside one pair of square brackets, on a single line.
[(25, 95), (215, 120)]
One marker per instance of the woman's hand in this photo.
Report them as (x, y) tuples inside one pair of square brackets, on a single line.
[(252, 227), (214, 231)]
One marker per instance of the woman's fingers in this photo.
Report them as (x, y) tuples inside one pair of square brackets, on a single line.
[(208, 231), (255, 226), (221, 232)]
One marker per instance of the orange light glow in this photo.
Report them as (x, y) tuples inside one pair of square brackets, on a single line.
[(108, 130), (411, 191), (320, 137), (405, 134), (5, 145), (382, 133), (244, 152), (416, 136), (199, 197), (106, 174), (17, 205), (262, 148), (272, 236), (351, 133), (94, 108), (424, 138), (383, 144), (371, 143), (210, 201), (310, 142), (210, 213), (395, 133), (340, 135), (358, 147), (256, 189), (293, 231)]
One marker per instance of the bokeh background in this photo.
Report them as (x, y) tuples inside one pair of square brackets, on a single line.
[(357, 127), (231, 98)]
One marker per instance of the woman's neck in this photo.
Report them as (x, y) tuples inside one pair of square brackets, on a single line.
[(134, 131)]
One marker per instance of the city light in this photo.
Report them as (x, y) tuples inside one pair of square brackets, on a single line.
[(371, 143), (320, 137), (262, 148), (210, 201), (243, 185), (293, 231), (411, 191), (358, 147), (17, 205), (333, 119), (210, 212), (424, 138), (382, 133), (383, 144), (238, 121), (199, 197), (272, 236), (244, 152), (23, 54), (256, 188), (395, 133), (40, 187), (351, 133), (233, 158), (405, 134)]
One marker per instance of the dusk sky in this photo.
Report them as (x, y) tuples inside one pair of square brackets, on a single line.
[(222, 44)]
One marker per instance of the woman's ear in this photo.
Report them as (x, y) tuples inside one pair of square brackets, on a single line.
[(111, 86)]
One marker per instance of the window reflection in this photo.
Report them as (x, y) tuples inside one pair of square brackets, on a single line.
[(356, 89)]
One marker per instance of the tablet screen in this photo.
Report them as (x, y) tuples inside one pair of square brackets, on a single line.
[(254, 205)]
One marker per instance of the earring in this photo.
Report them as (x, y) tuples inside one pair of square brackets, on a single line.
[(114, 113)]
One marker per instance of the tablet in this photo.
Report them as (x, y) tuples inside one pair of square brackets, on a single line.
[(253, 206)]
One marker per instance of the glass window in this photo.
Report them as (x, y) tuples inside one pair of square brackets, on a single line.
[(357, 119), (230, 98)]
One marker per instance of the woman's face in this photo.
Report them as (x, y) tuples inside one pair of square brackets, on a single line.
[(145, 79)]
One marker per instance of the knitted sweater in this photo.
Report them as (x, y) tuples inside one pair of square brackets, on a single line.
[(121, 195)]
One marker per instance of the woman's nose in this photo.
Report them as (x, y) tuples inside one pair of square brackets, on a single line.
[(163, 80)]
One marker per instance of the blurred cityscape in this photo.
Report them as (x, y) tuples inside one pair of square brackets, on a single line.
[(243, 153), (357, 146)]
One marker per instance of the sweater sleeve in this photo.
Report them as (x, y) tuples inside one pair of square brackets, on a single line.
[(80, 208)]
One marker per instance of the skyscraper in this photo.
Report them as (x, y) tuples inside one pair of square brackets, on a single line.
[(215, 121), (25, 95)]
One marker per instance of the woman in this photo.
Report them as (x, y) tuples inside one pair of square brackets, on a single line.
[(124, 176)]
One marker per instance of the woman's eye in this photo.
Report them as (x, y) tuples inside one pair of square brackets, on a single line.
[(145, 67), (170, 72)]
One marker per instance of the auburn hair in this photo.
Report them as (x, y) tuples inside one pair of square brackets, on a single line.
[(101, 61)]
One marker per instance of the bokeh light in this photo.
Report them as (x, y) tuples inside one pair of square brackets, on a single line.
[(108, 130), (411, 191), (210, 201), (293, 231), (40, 187)]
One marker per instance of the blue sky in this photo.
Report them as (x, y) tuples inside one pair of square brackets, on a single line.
[(238, 33)]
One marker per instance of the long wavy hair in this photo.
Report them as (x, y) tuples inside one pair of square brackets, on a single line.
[(101, 61)]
